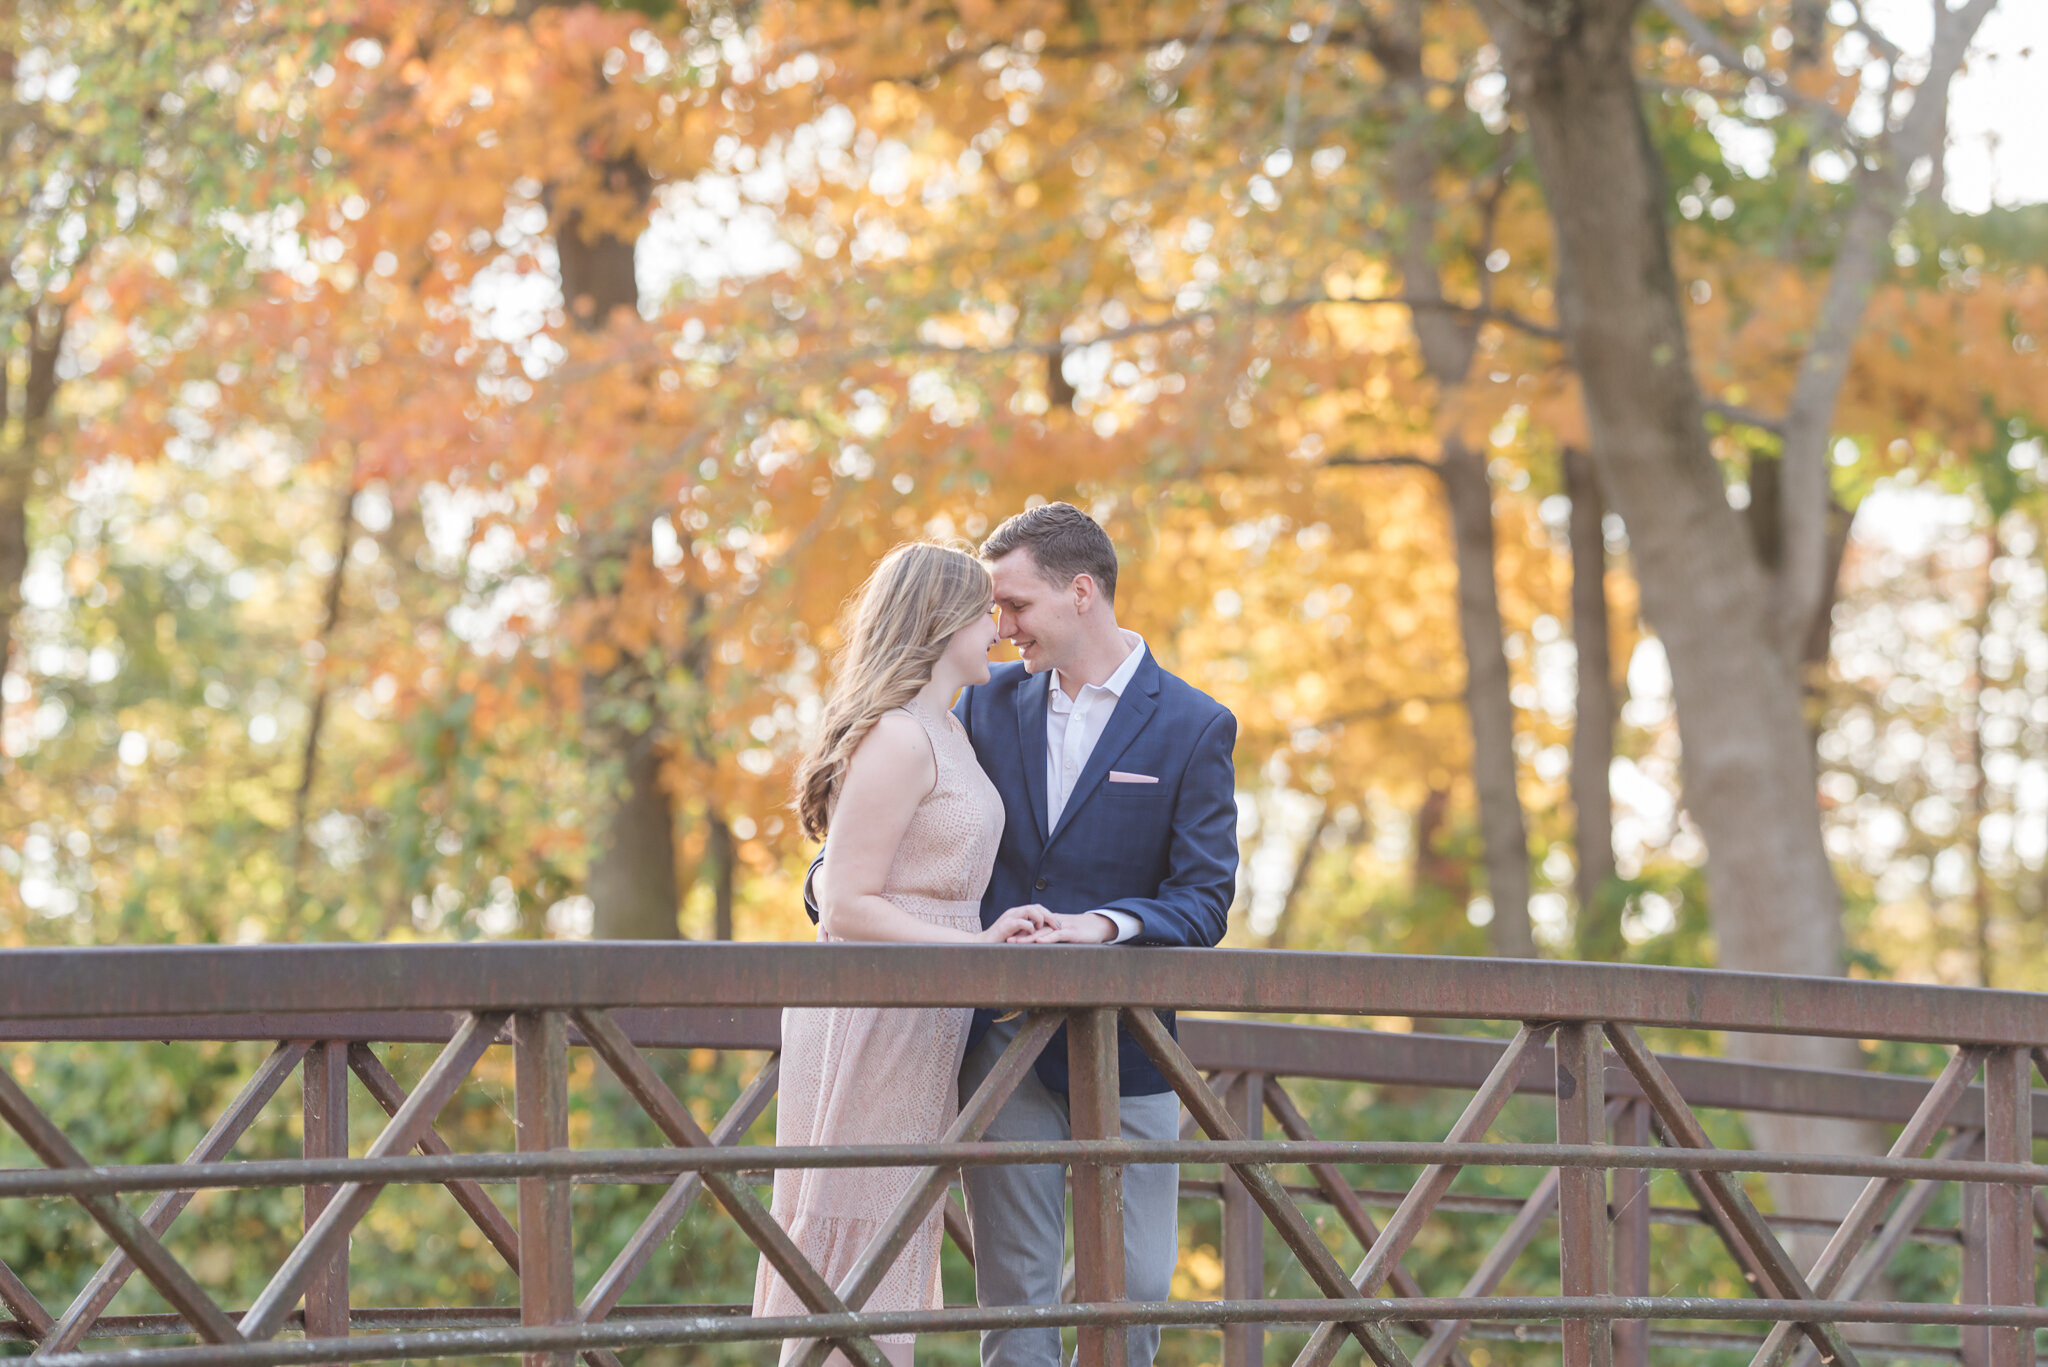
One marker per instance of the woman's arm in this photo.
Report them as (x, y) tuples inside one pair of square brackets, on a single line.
[(891, 772)]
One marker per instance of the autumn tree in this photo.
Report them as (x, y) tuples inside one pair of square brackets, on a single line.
[(1270, 292), (1259, 181), (1734, 613), (128, 132)]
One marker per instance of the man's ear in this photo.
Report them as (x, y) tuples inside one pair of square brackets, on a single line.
[(1085, 593)]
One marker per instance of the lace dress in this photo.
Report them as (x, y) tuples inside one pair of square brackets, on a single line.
[(885, 1075)]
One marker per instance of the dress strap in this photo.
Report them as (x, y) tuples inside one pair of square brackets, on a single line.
[(923, 719), (938, 732)]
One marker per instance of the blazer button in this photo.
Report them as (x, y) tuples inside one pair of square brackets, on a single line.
[(1039, 885)]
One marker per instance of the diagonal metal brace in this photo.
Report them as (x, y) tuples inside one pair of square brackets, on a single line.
[(1349, 1208), (676, 1201), (1747, 1222), (15, 1295), (930, 1184), (92, 1301), (1832, 1266), (389, 1093), (754, 1219), (352, 1200), (1407, 1219), (1288, 1221), (111, 1214)]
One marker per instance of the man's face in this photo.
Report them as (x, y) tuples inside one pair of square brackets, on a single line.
[(1034, 615)]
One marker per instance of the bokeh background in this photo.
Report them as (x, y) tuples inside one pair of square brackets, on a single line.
[(439, 437)]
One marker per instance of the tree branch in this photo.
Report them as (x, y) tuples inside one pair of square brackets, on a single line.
[(1498, 177), (1351, 460), (1197, 40), (1380, 711), (330, 618), (1882, 192), (1744, 417), (1290, 121), (1707, 41), (1505, 317)]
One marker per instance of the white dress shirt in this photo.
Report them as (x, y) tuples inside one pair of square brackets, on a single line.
[(1072, 727)]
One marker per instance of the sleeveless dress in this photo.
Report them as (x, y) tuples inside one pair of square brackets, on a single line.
[(885, 1075)]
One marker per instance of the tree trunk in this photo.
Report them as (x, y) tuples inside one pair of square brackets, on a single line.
[(1860, 258), (633, 880), (1980, 794), (16, 470), (1283, 924), (1749, 776), (1447, 342), (1488, 704), (1599, 920), (721, 857), (1434, 870), (18, 461), (1748, 764), (598, 270), (330, 617), (1765, 519), (1819, 644)]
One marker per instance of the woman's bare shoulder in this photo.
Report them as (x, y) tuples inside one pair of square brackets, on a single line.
[(897, 746)]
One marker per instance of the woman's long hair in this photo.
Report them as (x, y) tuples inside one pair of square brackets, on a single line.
[(893, 631)]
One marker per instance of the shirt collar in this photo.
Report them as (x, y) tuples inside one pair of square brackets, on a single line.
[(1116, 683)]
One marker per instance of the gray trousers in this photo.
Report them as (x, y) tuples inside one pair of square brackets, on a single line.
[(1019, 1213)]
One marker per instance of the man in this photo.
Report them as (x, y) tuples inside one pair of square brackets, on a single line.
[(1121, 820)]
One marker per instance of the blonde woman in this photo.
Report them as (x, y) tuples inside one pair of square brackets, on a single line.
[(914, 824)]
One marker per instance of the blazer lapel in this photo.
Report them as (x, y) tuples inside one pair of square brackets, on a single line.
[(1133, 710), (1031, 704)]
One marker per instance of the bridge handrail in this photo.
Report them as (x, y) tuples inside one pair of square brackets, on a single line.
[(216, 980), (1576, 1040)]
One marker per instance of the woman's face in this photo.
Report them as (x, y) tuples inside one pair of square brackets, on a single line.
[(966, 657)]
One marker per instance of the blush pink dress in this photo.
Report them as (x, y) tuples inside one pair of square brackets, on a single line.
[(885, 1075)]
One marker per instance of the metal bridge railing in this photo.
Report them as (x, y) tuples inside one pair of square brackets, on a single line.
[(1576, 1040)]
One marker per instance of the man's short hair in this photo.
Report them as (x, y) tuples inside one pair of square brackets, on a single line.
[(1063, 542)]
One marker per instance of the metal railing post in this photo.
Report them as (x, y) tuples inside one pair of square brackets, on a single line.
[(540, 1111), (1630, 1224), (2009, 1225), (1244, 1229), (1975, 1281), (1092, 1081), (324, 1114), (1582, 1192)]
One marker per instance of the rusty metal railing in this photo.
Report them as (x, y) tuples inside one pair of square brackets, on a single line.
[(1576, 1040)]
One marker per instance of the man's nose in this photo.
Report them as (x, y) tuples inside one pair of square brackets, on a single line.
[(1006, 625)]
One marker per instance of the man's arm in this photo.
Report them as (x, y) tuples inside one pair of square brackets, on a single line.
[(1192, 908)]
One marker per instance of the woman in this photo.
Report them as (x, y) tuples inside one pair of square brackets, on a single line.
[(914, 825)]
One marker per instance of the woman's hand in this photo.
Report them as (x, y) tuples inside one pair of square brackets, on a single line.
[(1084, 928), (1018, 923)]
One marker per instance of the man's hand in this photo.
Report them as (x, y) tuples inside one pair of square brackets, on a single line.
[(1085, 928), (1017, 925)]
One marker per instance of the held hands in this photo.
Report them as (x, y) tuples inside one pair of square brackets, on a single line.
[(1017, 926), (1059, 928)]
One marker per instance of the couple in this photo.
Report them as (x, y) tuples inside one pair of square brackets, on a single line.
[(1083, 796)]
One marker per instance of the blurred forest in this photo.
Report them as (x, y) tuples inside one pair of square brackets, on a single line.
[(439, 437)]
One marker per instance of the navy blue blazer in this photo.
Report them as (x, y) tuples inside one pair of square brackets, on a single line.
[(1165, 852)]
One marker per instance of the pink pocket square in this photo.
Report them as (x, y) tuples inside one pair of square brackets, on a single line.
[(1117, 776)]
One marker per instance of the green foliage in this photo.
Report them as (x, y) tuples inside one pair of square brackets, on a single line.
[(282, 236)]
